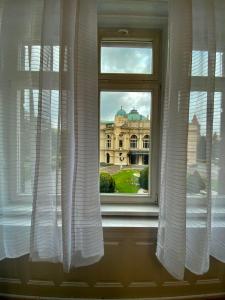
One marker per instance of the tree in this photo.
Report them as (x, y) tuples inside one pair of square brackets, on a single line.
[(195, 183), (107, 183), (143, 179)]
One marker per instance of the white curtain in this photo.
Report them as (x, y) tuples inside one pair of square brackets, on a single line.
[(192, 196), (49, 194)]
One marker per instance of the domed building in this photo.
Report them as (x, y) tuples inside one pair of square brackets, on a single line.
[(127, 139)]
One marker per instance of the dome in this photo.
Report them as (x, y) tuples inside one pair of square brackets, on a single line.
[(134, 111), (135, 116), (121, 112)]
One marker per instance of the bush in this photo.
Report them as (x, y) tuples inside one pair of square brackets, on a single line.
[(103, 164), (107, 183), (195, 183), (143, 179)]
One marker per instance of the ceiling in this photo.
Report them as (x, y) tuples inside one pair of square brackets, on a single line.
[(133, 13)]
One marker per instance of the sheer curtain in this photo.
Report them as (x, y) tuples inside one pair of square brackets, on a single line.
[(192, 197), (49, 197)]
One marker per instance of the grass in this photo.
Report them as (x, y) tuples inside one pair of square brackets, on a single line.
[(126, 181)]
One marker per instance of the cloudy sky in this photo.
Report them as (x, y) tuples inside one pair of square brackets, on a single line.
[(132, 59), (110, 103)]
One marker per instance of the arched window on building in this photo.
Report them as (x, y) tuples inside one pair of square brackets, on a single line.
[(107, 158), (146, 141), (121, 140), (108, 141), (133, 142)]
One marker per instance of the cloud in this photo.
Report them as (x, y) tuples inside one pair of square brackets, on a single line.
[(110, 103), (126, 60)]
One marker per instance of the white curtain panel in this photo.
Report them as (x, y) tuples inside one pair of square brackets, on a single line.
[(192, 196), (49, 194)]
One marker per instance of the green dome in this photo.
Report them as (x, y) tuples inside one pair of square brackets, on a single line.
[(121, 112), (135, 116)]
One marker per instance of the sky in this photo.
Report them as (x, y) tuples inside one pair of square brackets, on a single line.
[(111, 102), (126, 60), (134, 59)]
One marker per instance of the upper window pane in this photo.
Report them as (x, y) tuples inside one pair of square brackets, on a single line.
[(126, 57), (200, 63), (36, 58)]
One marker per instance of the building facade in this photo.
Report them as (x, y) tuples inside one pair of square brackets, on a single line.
[(127, 139)]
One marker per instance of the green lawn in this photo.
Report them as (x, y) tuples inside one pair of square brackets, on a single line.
[(126, 181)]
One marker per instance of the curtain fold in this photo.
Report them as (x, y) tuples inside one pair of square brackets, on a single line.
[(171, 232), (49, 196), (192, 203)]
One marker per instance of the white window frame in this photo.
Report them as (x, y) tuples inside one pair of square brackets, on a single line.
[(136, 82)]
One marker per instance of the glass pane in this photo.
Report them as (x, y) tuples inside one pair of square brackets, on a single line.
[(200, 63), (34, 58), (197, 145), (126, 57), (125, 141), (26, 135), (196, 156)]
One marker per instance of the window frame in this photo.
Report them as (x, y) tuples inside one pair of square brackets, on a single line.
[(132, 35), (145, 141), (133, 141), (19, 85), (136, 82)]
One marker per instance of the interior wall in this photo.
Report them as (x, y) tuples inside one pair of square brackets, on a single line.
[(129, 269)]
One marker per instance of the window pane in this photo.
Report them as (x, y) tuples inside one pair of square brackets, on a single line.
[(197, 145), (26, 135), (219, 64), (126, 57), (125, 141), (34, 58), (200, 63), (196, 156)]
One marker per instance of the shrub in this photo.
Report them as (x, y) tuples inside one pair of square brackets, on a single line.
[(195, 183), (143, 179), (107, 183)]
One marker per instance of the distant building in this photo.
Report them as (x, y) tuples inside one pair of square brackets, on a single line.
[(193, 141), (126, 140)]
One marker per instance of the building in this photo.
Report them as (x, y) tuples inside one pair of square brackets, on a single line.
[(126, 140)]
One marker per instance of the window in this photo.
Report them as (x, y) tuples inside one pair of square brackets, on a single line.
[(133, 142), (129, 92), (31, 58), (27, 113), (134, 57), (198, 120), (146, 142), (108, 141)]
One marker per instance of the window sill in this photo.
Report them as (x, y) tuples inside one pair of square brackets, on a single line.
[(114, 215), (129, 222), (143, 210)]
